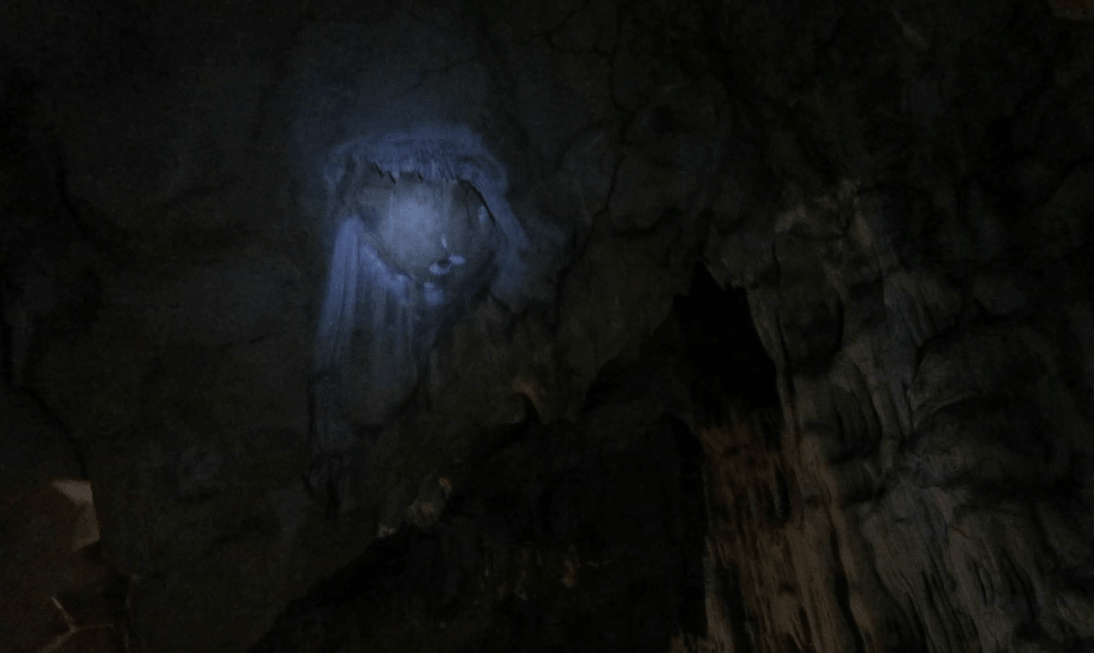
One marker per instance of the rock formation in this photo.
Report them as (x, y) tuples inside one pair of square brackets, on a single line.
[(687, 326)]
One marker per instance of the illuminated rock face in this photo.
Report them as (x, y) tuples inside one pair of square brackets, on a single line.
[(410, 254), (432, 229)]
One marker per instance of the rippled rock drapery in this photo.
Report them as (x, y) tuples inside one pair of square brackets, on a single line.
[(903, 190), (424, 229)]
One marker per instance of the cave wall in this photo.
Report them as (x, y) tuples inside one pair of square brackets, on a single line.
[(924, 314), (902, 192)]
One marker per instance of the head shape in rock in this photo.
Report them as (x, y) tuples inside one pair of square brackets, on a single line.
[(439, 232), (422, 229)]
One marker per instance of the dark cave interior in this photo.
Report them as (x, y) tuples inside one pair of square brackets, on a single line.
[(621, 500), (688, 327)]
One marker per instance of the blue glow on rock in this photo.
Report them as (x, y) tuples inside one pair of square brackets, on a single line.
[(434, 296), (436, 154), (423, 228)]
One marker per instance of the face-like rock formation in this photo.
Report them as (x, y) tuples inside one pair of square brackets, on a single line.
[(432, 228), (408, 258)]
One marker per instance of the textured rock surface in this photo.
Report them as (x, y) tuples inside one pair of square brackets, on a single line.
[(902, 191)]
